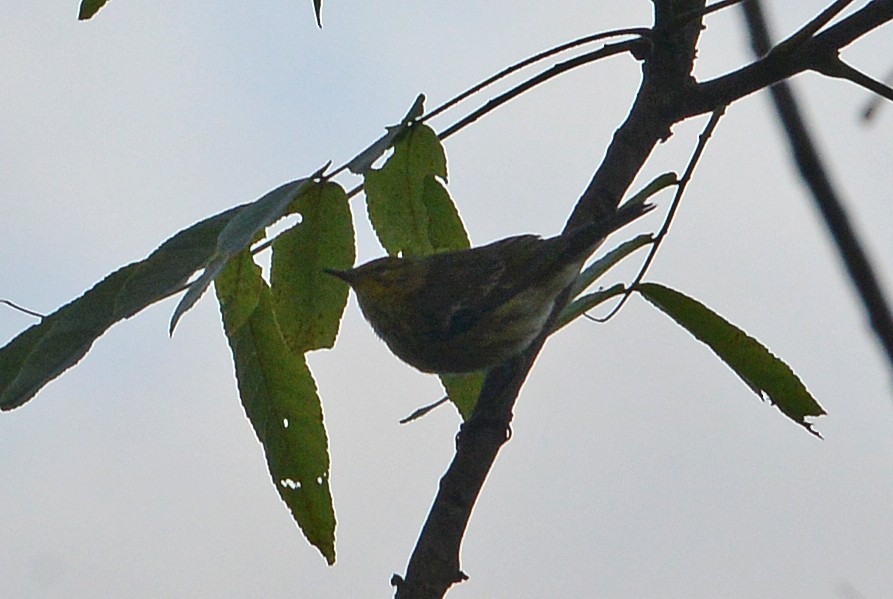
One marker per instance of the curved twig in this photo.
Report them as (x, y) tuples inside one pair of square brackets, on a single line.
[(674, 206), (588, 39), (553, 71)]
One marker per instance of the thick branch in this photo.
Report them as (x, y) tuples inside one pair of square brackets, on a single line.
[(666, 75), (434, 565), (811, 54), (667, 95)]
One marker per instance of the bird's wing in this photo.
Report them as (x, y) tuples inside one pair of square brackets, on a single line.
[(481, 281)]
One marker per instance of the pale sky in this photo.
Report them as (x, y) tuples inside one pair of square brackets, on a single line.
[(640, 465)]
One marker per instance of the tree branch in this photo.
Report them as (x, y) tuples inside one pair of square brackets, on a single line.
[(827, 200), (666, 74), (434, 564), (668, 94), (780, 64)]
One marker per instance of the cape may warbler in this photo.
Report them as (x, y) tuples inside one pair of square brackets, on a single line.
[(468, 310)]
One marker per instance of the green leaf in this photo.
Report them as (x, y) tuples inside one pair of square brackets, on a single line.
[(309, 302), (237, 235), (362, 162), (464, 390), (405, 206), (587, 302), (280, 399), (769, 377), (45, 350), (657, 184), (90, 8), (598, 268), (609, 260), (445, 228)]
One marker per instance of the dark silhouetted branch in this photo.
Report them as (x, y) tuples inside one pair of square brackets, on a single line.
[(826, 197)]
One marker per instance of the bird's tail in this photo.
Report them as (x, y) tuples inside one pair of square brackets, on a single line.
[(584, 240)]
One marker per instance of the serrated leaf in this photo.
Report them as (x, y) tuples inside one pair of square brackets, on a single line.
[(445, 228), (463, 390), (45, 350), (90, 8), (237, 235), (281, 401), (309, 302), (397, 199), (768, 376)]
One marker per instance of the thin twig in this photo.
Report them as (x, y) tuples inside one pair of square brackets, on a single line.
[(810, 29), (635, 31), (876, 101), (674, 206), (835, 67), (22, 309), (707, 10), (554, 71)]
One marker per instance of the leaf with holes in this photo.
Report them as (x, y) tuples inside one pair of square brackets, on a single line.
[(309, 302), (238, 234), (280, 399)]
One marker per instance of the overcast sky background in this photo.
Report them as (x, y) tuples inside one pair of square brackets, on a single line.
[(640, 466)]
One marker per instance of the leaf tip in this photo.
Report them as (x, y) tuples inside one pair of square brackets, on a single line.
[(175, 318), (808, 426), (317, 9)]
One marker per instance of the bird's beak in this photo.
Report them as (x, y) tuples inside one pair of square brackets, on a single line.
[(344, 275)]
